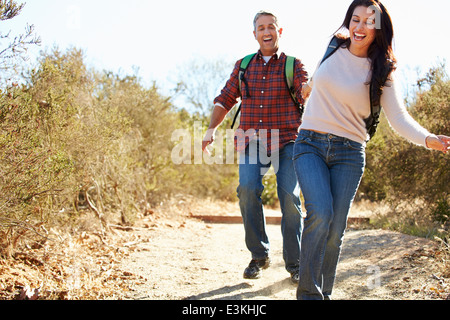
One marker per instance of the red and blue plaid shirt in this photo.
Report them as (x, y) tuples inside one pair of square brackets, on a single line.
[(270, 105)]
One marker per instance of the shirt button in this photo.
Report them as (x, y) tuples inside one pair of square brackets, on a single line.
[(261, 107), (264, 78), (260, 121), (262, 92)]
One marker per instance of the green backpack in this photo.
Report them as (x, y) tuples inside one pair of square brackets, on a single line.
[(289, 77)]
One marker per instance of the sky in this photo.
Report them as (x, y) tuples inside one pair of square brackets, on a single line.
[(159, 36)]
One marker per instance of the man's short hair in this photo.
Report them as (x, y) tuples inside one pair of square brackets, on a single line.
[(264, 13)]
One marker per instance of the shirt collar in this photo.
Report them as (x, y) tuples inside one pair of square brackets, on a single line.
[(276, 56)]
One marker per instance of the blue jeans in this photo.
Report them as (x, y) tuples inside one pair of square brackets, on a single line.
[(251, 173), (329, 170)]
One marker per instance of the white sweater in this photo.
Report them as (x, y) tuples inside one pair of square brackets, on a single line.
[(340, 101)]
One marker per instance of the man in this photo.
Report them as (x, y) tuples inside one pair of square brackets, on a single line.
[(269, 124)]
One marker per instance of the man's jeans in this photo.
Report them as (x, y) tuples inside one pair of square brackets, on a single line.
[(329, 169), (251, 173)]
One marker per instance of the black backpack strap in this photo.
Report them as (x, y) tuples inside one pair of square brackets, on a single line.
[(243, 68), (236, 116), (334, 45), (376, 90), (375, 111)]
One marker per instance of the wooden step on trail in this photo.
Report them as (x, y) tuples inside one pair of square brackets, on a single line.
[(269, 219)]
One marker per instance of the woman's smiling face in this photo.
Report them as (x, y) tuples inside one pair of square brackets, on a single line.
[(362, 31)]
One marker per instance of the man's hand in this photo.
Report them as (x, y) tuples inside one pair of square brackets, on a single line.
[(217, 117), (306, 91), (208, 139)]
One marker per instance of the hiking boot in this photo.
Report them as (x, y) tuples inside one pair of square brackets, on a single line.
[(295, 277), (253, 271)]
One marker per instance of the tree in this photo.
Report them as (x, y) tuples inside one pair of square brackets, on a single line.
[(9, 9), (199, 81), (17, 46)]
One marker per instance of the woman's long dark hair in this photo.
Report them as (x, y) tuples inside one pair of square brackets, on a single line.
[(380, 52)]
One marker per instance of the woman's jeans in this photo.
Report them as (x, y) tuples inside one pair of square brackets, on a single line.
[(329, 170), (251, 173)]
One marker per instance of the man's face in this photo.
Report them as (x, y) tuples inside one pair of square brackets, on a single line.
[(267, 33)]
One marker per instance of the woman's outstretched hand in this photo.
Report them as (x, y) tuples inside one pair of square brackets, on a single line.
[(439, 143)]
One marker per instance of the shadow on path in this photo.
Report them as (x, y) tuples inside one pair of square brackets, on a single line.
[(226, 293)]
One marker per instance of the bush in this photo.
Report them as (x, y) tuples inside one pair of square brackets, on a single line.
[(401, 172), (74, 139)]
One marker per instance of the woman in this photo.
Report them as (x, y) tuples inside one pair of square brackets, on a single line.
[(329, 153)]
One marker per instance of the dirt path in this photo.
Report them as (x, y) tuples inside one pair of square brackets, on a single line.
[(190, 259)]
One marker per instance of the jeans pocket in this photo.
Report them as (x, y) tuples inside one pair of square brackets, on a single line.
[(301, 144), (300, 139), (354, 145)]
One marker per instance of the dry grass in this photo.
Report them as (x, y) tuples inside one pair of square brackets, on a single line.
[(75, 265), (405, 218)]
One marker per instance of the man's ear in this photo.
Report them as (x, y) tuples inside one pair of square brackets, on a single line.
[(254, 33)]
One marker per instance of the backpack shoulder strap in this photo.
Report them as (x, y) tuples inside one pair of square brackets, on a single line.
[(244, 65), (289, 71), (241, 77), (246, 61), (289, 76), (375, 111), (376, 90), (334, 45)]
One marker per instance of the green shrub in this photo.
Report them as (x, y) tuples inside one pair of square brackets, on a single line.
[(401, 172)]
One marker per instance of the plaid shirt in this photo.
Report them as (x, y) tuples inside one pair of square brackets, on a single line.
[(270, 105)]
